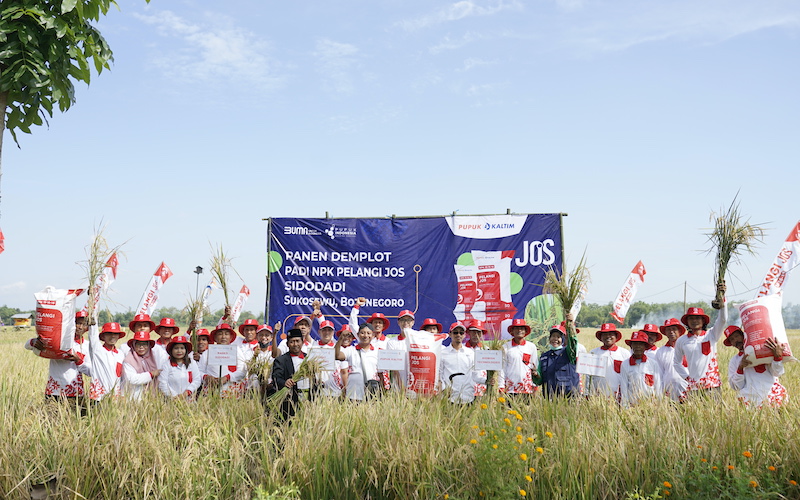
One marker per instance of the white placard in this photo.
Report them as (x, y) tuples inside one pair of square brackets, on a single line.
[(488, 360), (326, 356), (592, 364), (225, 355), (391, 359)]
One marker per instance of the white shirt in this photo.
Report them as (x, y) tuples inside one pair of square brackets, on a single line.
[(331, 381), (232, 374), (463, 387), (609, 385), (640, 379), (757, 385), (518, 359), (702, 371), (358, 373), (106, 367), (65, 376), (176, 379)]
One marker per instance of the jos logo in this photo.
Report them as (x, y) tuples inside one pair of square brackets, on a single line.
[(537, 253)]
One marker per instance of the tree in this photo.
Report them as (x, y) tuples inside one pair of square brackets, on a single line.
[(44, 46)]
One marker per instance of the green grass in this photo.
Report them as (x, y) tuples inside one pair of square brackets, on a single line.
[(393, 448)]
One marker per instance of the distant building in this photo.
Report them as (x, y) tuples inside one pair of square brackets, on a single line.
[(22, 320)]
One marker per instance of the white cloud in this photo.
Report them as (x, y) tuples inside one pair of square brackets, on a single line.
[(215, 52), (19, 286), (457, 11), (448, 43), (336, 62)]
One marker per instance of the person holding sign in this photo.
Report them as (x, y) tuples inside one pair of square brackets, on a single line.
[(608, 385), (519, 359), (457, 368), (755, 385), (399, 378), (700, 348), (362, 381), (379, 324), (640, 376), (330, 381), (228, 378), (557, 373), (671, 381)]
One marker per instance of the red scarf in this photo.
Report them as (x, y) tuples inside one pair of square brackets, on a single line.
[(612, 348)]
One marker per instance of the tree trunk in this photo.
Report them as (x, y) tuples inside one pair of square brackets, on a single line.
[(3, 104)]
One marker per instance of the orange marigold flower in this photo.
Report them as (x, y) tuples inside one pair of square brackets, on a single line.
[(519, 429), (772, 468), (753, 484), (793, 482), (747, 454), (548, 434), (519, 417), (530, 439), (482, 433), (523, 492), (731, 467), (501, 399), (667, 493), (523, 456), (539, 449), (473, 441), (531, 469), (484, 406), (507, 421), (667, 485), (714, 468), (699, 447), (494, 446), (703, 460)]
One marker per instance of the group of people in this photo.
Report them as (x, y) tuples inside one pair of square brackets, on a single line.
[(181, 366)]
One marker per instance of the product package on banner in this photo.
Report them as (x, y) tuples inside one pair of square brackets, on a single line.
[(424, 352), (762, 320), (455, 268), (55, 321)]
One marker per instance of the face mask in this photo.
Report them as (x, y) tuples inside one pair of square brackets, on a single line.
[(556, 348)]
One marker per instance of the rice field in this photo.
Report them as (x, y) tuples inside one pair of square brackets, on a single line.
[(393, 448)]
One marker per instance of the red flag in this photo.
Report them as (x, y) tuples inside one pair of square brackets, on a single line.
[(2, 241)]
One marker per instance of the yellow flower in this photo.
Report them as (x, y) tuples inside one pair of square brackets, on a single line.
[(753, 484), (519, 417), (482, 433), (519, 429), (523, 456), (503, 430), (446, 496), (539, 449), (507, 421), (747, 454), (523, 492), (532, 470), (480, 493), (528, 478), (501, 399), (475, 427), (548, 434), (494, 446), (484, 406), (473, 441), (731, 467), (772, 468), (516, 448), (530, 439), (512, 412), (667, 485)]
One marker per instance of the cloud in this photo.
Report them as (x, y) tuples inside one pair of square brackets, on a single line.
[(336, 62), (215, 52), (457, 11), (448, 43), (19, 286)]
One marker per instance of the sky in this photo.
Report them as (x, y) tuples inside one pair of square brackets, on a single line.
[(636, 118)]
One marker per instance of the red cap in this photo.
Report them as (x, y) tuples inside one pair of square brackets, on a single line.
[(476, 324), (406, 312), (326, 324), (640, 336), (457, 324), (430, 322), (180, 339), (728, 332), (141, 337), (345, 328), (112, 328), (168, 323), (558, 328), (265, 327), (608, 327), (301, 318), (248, 322), (381, 317), (223, 326), (695, 311), (81, 314), (650, 328), (672, 322), (519, 322), (144, 318)]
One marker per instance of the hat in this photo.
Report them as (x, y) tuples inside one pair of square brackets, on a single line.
[(457, 324), (519, 322), (608, 327), (144, 318), (672, 322), (640, 336), (248, 322), (141, 337), (345, 328), (294, 333), (326, 324), (112, 328), (558, 328), (204, 333), (168, 323), (380, 316), (301, 318), (729, 331), (180, 339), (81, 314), (476, 324), (650, 328), (265, 327), (406, 312), (695, 311), (431, 322), (220, 327), (564, 324)]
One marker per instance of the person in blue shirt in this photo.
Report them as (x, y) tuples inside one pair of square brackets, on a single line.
[(557, 373)]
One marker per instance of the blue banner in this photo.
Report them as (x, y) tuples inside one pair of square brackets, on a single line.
[(457, 267)]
